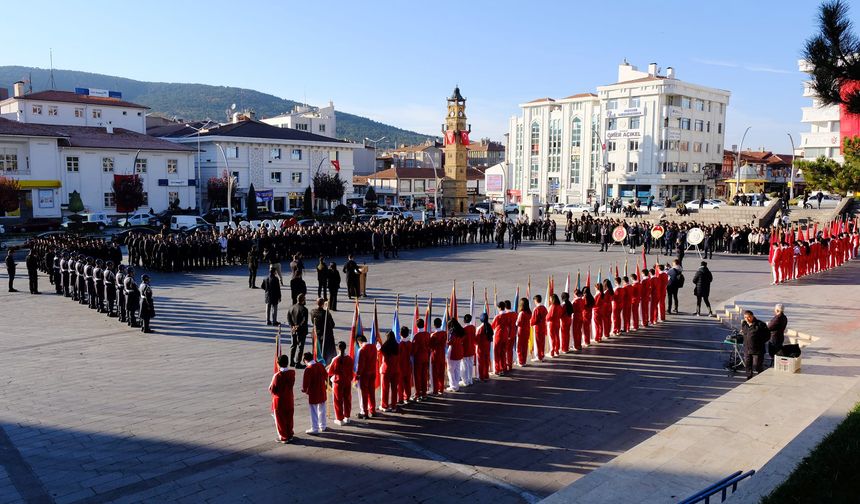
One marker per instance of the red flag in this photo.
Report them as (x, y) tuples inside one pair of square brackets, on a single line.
[(336, 165), (415, 318), (449, 137), (814, 231), (277, 349), (588, 278), (617, 272), (453, 310), (464, 137), (314, 340), (428, 313), (644, 260)]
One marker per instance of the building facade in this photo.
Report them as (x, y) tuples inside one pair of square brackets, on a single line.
[(485, 153), (280, 162), (317, 120), (824, 135), (646, 134), (416, 187)]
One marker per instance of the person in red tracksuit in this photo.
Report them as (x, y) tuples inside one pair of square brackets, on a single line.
[(438, 340), (283, 406), (662, 292), (538, 322), (314, 385), (456, 337), (645, 298), (511, 332), (389, 370), (635, 293), (404, 387), (597, 312), (608, 299), (421, 361), (500, 340), (618, 307), (553, 324), (365, 375), (341, 371), (483, 338), (523, 325), (627, 307), (566, 319), (658, 294), (587, 315), (577, 320), (467, 365)]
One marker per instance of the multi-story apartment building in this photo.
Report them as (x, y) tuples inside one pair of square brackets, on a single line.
[(316, 120), (824, 137), (485, 153)]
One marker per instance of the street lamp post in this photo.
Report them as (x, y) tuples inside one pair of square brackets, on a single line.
[(604, 170), (436, 189), (230, 181), (738, 173), (198, 171), (791, 187)]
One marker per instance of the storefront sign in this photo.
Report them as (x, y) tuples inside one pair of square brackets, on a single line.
[(628, 112), (623, 134), (254, 224), (494, 183), (46, 198)]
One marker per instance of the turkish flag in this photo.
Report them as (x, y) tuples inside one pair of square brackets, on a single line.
[(336, 165), (464, 137), (449, 137)]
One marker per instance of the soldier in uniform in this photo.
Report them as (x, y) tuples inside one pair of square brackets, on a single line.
[(89, 275), (147, 308), (64, 272), (253, 265), (32, 263), (132, 301), (120, 293), (350, 268), (110, 288)]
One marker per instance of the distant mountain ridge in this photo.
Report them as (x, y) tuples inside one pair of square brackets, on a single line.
[(200, 101)]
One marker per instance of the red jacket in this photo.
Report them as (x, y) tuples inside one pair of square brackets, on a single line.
[(469, 341), (511, 324), (341, 369), (523, 322), (313, 383), (553, 317), (366, 362), (456, 345), (500, 326), (390, 362), (421, 347), (282, 385), (405, 357), (437, 343), (538, 319)]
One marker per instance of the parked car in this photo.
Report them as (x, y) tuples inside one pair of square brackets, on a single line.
[(87, 222), (512, 208), (182, 222), (307, 222), (556, 208), (202, 228), (34, 224), (386, 214), (827, 201), (122, 237), (709, 204), (481, 208), (137, 219), (576, 208)]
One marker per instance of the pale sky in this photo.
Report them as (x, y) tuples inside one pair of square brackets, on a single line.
[(396, 61)]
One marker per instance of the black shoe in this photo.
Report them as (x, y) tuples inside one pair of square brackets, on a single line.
[(13, 290)]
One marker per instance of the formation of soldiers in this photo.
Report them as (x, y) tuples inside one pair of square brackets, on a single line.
[(89, 271)]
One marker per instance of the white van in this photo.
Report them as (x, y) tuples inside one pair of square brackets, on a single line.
[(180, 222)]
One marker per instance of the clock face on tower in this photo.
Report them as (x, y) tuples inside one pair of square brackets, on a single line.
[(460, 113), (452, 113)]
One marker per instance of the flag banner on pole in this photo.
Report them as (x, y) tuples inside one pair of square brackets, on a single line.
[(588, 279), (599, 274), (644, 260), (375, 339), (617, 273), (428, 320), (625, 267), (277, 348), (495, 299), (315, 342), (487, 315), (453, 313), (445, 318), (354, 332), (567, 284), (395, 324), (415, 318), (517, 299), (472, 303), (578, 280)]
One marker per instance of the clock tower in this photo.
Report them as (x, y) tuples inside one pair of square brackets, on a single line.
[(456, 139)]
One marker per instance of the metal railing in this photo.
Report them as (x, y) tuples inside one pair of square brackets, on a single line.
[(721, 487)]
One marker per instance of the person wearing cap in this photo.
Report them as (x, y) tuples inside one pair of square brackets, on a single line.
[(120, 291), (32, 263), (132, 301), (99, 279), (89, 275), (147, 308), (110, 288), (10, 269), (64, 274)]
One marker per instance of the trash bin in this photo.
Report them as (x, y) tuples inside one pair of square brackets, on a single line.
[(362, 280)]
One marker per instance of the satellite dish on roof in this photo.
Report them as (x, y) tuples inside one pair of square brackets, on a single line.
[(233, 107)]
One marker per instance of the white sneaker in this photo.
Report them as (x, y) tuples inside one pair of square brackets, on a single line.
[(323, 429), (346, 421), (338, 422), (452, 389), (311, 432)]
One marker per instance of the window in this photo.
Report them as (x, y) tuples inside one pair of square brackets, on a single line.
[(720, 128), (97, 113), (235, 176), (717, 150), (8, 160), (634, 123), (672, 101), (405, 185), (145, 199), (109, 200), (610, 146), (632, 167), (708, 126), (172, 165), (172, 197), (686, 102), (611, 104), (721, 108), (296, 178), (610, 167), (612, 124), (419, 185), (322, 128), (275, 153), (595, 151), (231, 152), (535, 141), (576, 132), (79, 112), (275, 177), (296, 155), (700, 105), (37, 109), (554, 150), (682, 167), (518, 158), (668, 145), (575, 162), (301, 127), (53, 110), (685, 124), (107, 164), (140, 165), (534, 170), (72, 164), (633, 145), (684, 146), (706, 147), (699, 125), (697, 146), (633, 102), (709, 106)]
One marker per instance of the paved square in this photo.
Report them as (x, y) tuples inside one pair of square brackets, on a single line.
[(91, 411)]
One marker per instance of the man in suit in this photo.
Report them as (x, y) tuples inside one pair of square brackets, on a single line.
[(350, 268), (272, 296), (298, 320)]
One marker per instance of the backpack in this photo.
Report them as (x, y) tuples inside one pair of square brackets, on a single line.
[(680, 280)]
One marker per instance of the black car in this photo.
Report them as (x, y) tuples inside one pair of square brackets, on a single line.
[(202, 228), (121, 237), (31, 225)]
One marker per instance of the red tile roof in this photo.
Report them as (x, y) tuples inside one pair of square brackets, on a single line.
[(581, 95), (539, 100), (69, 97), (92, 137)]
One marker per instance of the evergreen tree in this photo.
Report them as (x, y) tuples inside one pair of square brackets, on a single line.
[(834, 55)]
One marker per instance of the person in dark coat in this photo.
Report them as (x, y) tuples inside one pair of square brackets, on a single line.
[(702, 281), (322, 279), (352, 277), (755, 335), (673, 286), (32, 263), (776, 326), (253, 264), (10, 269), (272, 295), (333, 280), (324, 327), (147, 308), (297, 317)]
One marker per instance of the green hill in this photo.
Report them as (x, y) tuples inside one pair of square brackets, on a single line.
[(200, 101)]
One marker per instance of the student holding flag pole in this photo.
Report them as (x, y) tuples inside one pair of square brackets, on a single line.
[(467, 365), (438, 339), (404, 389), (281, 390), (421, 357), (500, 339), (523, 325), (510, 321), (340, 371), (538, 323), (484, 336)]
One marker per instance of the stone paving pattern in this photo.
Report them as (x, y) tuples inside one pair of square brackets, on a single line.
[(91, 411)]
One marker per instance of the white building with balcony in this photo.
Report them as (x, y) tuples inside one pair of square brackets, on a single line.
[(316, 120), (822, 139), (662, 136)]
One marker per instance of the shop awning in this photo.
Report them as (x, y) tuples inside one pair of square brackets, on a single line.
[(39, 184)]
